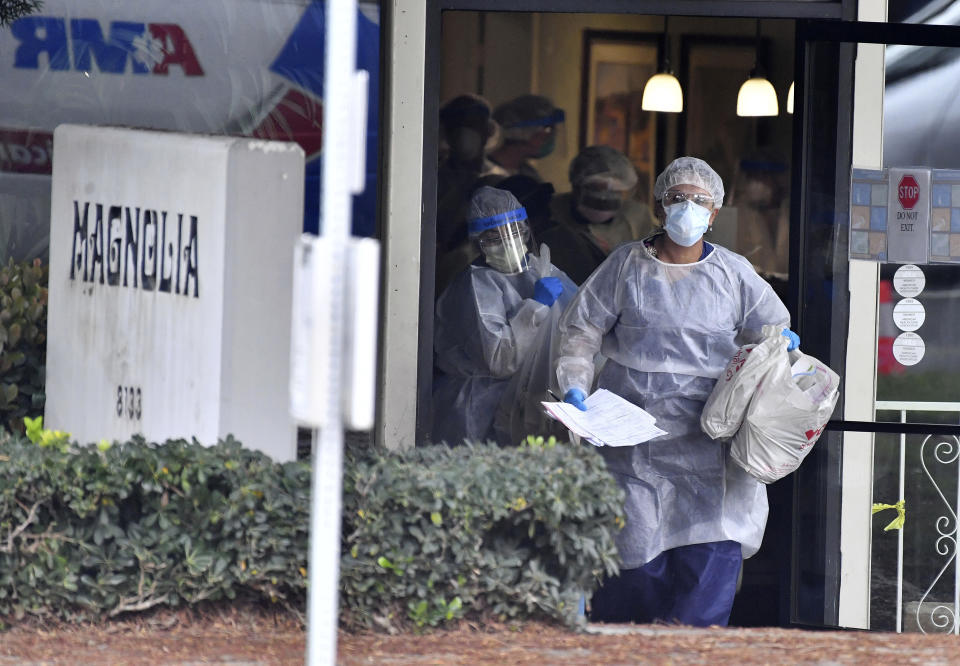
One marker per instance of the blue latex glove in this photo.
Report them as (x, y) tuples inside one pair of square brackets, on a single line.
[(547, 290), (792, 337), (576, 397)]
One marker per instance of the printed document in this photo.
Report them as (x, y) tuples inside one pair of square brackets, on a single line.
[(609, 420)]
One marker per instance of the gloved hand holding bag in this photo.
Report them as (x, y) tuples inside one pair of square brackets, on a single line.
[(785, 412)]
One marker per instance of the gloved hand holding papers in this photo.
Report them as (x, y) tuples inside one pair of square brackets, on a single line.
[(609, 420)]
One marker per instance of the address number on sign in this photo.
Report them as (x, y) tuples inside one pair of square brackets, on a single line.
[(129, 402)]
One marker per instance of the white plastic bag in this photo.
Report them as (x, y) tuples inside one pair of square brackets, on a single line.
[(724, 410), (786, 415), (774, 404)]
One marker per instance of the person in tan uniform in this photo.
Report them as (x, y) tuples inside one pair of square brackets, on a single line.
[(599, 214)]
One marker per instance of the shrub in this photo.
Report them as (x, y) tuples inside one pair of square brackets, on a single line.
[(97, 531), (23, 341), (508, 533), (11, 10), (91, 532)]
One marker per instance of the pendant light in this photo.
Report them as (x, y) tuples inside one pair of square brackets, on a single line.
[(757, 96), (662, 91), (790, 98)]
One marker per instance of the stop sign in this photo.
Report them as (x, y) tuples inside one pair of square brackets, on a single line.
[(908, 192)]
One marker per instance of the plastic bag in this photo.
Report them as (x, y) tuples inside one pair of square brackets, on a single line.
[(724, 410), (789, 408)]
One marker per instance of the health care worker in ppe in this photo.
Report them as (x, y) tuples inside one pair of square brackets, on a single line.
[(467, 128), (491, 319), (599, 214), (668, 313), (530, 129)]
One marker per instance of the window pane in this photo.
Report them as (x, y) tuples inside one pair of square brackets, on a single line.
[(921, 107)]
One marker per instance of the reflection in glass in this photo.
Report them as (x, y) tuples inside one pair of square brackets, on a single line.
[(921, 108)]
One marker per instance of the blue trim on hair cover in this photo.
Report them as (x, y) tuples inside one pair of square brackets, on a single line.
[(483, 223), (554, 118)]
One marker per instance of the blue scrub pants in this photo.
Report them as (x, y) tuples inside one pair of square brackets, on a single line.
[(692, 585)]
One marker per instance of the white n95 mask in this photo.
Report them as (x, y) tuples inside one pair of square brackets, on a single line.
[(686, 222)]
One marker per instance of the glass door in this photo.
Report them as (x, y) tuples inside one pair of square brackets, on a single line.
[(882, 485)]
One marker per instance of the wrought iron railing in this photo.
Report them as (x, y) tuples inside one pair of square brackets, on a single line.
[(944, 449)]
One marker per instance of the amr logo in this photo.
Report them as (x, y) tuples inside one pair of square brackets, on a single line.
[(79, 43)]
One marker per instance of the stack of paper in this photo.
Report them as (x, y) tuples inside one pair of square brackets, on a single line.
[(609, 420)]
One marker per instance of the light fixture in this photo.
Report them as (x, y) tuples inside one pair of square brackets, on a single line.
[(662, 91), (790, 99), (757, 96)]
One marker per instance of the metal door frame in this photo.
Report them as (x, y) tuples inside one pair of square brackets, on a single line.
[(846, 587)]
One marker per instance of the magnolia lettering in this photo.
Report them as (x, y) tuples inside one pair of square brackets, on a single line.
[(127, 246)]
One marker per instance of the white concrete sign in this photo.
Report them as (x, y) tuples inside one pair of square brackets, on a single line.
[(171, 286)]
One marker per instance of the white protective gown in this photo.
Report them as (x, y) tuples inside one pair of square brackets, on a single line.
[(667, 331), (487, 327)]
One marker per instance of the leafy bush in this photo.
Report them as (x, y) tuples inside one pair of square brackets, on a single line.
[(23, 341), (440, 533), (90, 532), (95, 531), (11, 10)]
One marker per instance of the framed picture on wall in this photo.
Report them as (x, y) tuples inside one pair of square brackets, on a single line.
[(713, 71), (616, 66)]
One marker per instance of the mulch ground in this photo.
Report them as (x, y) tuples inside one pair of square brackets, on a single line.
[(216, 634), (651, 644), (231, 636)]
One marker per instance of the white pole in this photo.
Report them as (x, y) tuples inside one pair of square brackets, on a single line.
[(338, 155), (903, 483)]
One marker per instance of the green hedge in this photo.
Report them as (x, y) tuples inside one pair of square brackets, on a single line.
[(478, 531), (89, 532), (23, 341)]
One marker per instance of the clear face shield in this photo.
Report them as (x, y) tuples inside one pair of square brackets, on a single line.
[(555, 141), (548, 133), (503, 240)]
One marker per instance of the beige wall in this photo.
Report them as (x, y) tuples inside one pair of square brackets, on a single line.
[(487, 53), (543, 53), (560, 53)]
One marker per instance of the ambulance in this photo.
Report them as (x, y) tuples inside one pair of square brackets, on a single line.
[(237, 67)]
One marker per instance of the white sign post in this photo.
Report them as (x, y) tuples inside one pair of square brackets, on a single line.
[(345, 309), (170, 286)]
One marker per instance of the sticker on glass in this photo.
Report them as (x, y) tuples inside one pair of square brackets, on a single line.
[(909, 280), (908, 348), (909, 314)]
